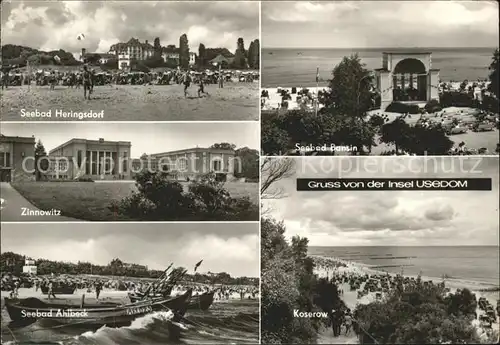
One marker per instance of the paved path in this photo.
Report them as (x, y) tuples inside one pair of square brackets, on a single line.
[(14, 204)]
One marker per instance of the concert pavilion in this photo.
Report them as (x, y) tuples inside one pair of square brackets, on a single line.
[(407, 77)]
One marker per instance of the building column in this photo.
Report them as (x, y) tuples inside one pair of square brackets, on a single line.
[(387, 85), (98, 161), (433, 83), (91, 164)]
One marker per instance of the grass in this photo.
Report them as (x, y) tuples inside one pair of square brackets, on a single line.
[(89, 201)]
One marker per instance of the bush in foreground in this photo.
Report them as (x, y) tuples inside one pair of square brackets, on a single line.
[(419, 314), (159, 197)]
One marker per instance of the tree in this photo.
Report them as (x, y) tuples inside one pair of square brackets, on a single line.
[(240, 55), (274, 139), (349, 89), (201, 56), (111, 64), (92, 59), (157, 47), (248, 163), (254, 54), (223, 146), (493, 87), (184, 52), (40, 165), (154, 61), (272, 171), (395, 133)]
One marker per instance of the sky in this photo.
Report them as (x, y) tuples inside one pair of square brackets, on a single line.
[(377, 24), (146, 138), (224, 247), (390, 218), (50, 25)]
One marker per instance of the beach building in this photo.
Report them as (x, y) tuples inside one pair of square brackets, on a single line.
[(133, 48), (104, 58), (188, 164), (17, 159), (171, 53), (123, 61), (94, 159), (407, 77), (30, 267)]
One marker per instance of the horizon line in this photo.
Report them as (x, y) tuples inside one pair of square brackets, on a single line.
[(456, 245), (412, 48)]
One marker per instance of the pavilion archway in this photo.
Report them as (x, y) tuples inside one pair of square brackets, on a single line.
[(409, 80)]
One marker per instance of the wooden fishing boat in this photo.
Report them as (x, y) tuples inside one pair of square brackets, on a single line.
[(30, 310), (59, 290), (202, 301)]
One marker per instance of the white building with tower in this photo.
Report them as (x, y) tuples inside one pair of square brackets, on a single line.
[(29, 267)]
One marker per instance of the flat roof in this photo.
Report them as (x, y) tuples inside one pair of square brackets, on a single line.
[(5, 138), (91, 141), (408, 52), (194, 149)]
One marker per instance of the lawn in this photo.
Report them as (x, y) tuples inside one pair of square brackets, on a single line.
[(89, 201)]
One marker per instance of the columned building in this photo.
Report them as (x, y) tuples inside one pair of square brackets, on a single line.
[(96, 159), (17, 159), (407, 77), (189, 164)]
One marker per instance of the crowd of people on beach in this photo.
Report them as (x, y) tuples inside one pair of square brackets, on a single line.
[(88, 77), (53, 286), (372, 286)]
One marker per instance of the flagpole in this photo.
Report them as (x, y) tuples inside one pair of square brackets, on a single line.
[(317, 92)]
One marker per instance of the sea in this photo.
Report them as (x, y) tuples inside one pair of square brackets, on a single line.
[(226, 322), (473, 264), (282, 67)]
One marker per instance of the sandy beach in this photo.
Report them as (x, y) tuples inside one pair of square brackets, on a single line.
[(274, 101), (358, 269), (235, 102)]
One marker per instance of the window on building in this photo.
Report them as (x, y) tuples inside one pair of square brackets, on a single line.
[(4, 159), (217, 165), (107, 163), (125, 162), (87, 163), (93, 162)]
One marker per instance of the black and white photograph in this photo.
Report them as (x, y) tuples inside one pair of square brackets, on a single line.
[(152, 284), (129, 171), (380, 78), (130, 60), (379, 267)]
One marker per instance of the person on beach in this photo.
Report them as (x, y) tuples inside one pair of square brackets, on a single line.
[(187, 83), (87, 82), (347, 321), (201, 88), (98, 289), (51, 290), (221, 79), (15, 290)]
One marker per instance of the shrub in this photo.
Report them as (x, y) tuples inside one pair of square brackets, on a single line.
[(401, 108), (433, 106), (161, 198)]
